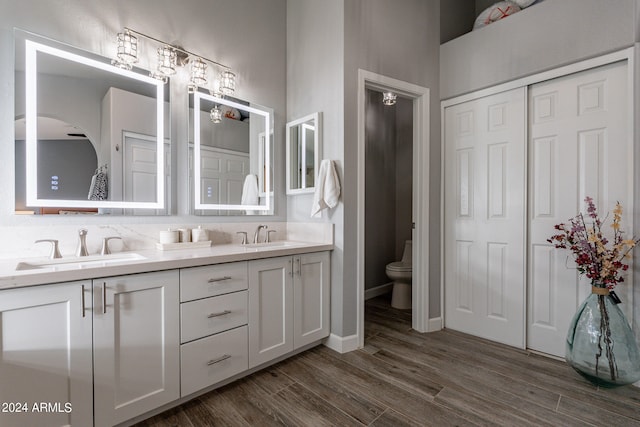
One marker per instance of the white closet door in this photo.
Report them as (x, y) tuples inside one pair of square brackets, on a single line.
[(484, 200), (579, 145)]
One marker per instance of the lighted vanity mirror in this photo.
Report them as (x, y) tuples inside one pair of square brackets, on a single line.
[(304, 147), (233, 156), (90, 137)]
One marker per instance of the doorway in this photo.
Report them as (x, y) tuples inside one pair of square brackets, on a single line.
[(419, 98), (388, 198)]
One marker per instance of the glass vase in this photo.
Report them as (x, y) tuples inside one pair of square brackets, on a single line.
[(600, 344)]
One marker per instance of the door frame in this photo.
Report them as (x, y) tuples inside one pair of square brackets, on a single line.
[(627, 54), (420, 209)]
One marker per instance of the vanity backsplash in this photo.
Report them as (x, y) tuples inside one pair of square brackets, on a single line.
[(19, 241)]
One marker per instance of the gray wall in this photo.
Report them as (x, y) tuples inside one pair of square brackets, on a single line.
[(456, 18), (380, 190), (73, 161), (398, 39), (81, 106), (541, 37), (388, 180), (315, 82), (404, 174), (327, 42), (248, 35)]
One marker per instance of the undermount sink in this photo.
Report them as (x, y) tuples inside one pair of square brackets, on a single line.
[(73, 263), (279, 244)]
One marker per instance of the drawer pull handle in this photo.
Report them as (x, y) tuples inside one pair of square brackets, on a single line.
[(222, 313), (104, 297), (83, 302), (220, 279), (218, 360)]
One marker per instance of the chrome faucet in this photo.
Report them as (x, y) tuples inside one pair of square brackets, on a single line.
[(256, 236), (244, 237), (55, 252), (105, 245), (82, 243)]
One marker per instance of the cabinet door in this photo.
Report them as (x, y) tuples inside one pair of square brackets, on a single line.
[(311, 286), (270, 309), (45, 348), (136, 345)]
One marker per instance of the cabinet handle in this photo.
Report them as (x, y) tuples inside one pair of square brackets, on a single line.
[(219, 279), (104, 297), (290, 268), (83, 305), (222, 313), (299, 266), (218, 360)]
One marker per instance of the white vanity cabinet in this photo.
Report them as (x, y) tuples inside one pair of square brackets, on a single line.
[(45, 349), (136, 345), (288, 304), (213, 322), (107, 351)]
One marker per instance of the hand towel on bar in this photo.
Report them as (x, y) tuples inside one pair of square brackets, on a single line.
[(250, 190), (98, 190), (327, 192)]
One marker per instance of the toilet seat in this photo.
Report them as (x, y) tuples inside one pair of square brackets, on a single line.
[(399, 266)]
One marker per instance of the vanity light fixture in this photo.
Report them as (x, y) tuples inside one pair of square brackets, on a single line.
[(127, 52), (227, 82), (169, 58), (389, 98), (198, 74), (216, 114), (216, 91)]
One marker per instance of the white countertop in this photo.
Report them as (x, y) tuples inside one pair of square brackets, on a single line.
[(67, 269)]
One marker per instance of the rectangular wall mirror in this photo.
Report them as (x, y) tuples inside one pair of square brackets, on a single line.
[(232, 156), (304, 148), (90, 137)]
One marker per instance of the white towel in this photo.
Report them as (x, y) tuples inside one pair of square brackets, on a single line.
[(327, 192), (250, 190)]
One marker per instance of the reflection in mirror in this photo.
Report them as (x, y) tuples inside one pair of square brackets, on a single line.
[(304, 147), (90, 137), (233, 154)]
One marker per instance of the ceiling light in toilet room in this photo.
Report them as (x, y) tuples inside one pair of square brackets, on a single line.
[(389, 98)]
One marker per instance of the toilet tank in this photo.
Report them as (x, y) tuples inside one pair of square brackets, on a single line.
[(406, 255)]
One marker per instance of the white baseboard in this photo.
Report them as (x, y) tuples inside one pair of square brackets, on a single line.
[(378, 290), (434, 324), (342, 344)]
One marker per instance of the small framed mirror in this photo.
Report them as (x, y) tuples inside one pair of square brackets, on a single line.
[(304, 148), (232, 164)]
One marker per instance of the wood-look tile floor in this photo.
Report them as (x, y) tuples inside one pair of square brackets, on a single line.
[(403, 378)]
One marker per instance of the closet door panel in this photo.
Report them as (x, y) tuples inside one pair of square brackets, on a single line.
[(484, 211), (580, 145)]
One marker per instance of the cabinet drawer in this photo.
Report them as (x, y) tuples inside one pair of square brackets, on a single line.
[(213, 359), (212, 315), (211, 280)]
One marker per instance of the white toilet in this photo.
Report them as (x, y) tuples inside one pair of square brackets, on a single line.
[(400, 273)]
